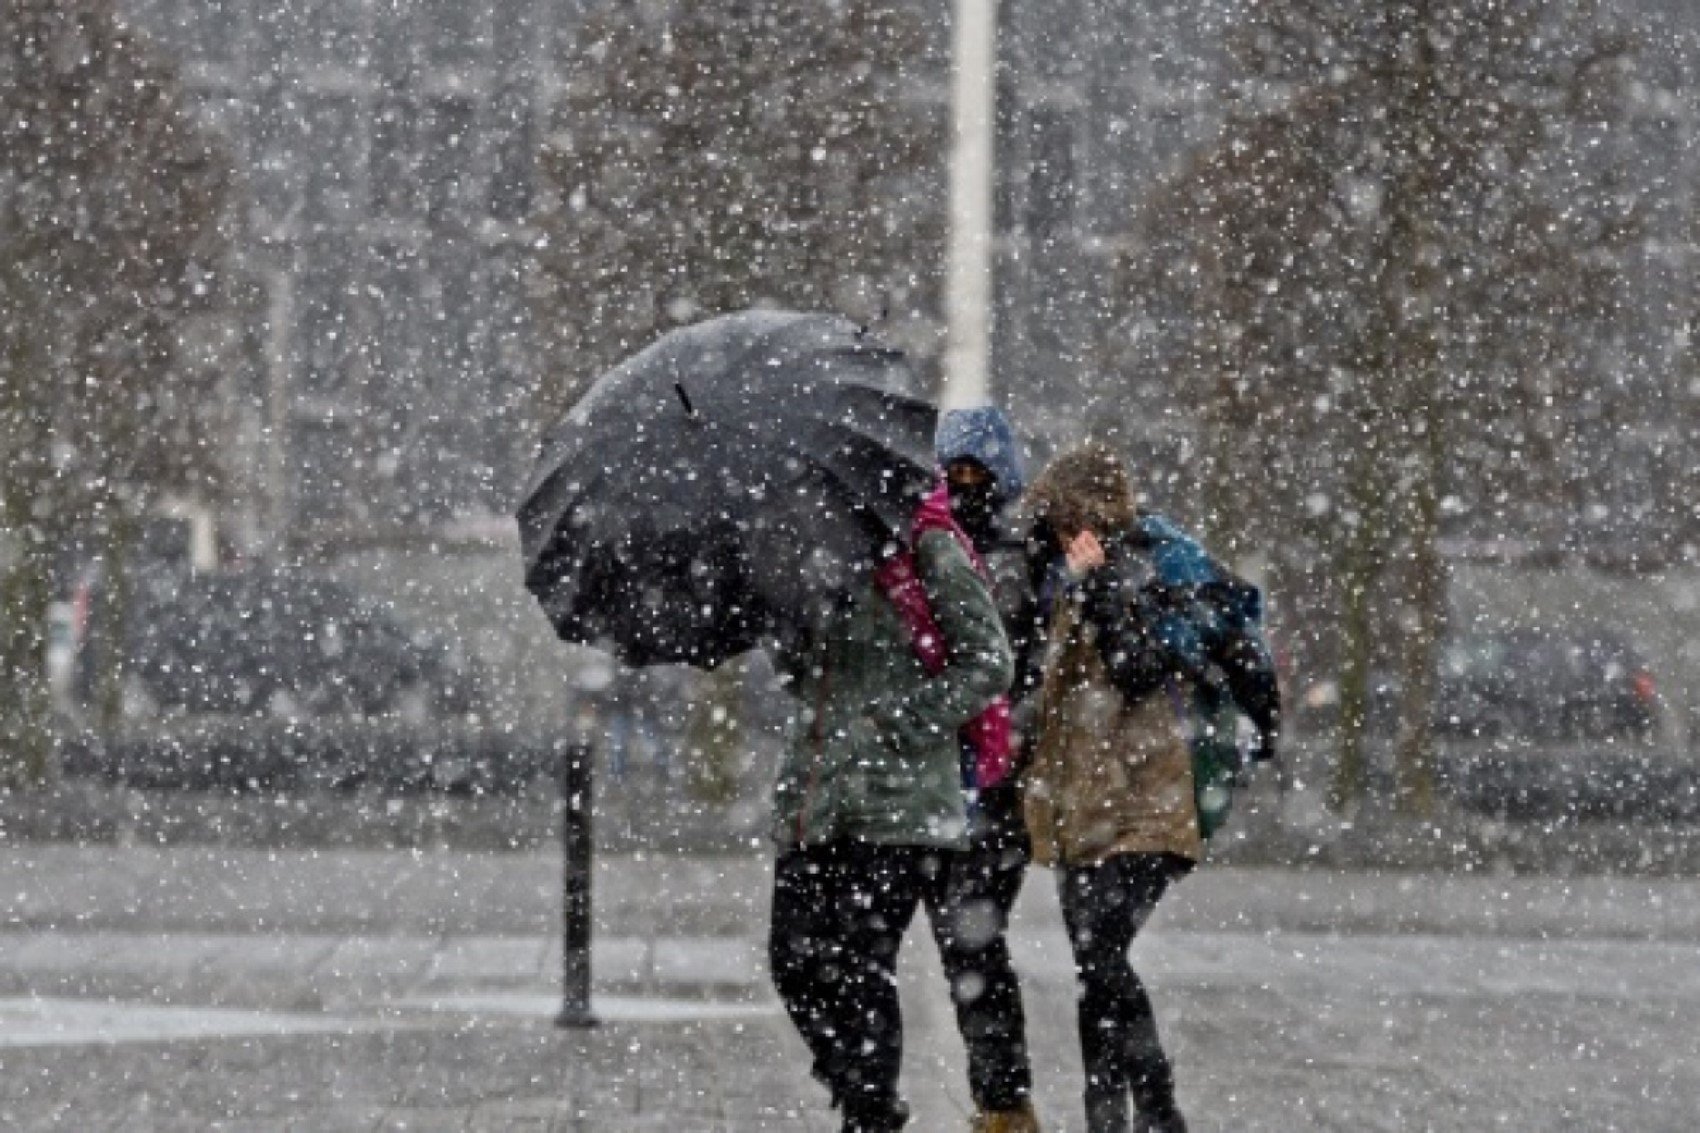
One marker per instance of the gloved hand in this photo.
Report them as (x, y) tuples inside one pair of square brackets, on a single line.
[(1267, 747)]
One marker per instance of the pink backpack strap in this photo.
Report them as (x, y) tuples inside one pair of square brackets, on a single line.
[(899, 581), (988, 734)]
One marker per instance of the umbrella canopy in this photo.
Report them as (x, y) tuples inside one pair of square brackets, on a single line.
[(717, 487)]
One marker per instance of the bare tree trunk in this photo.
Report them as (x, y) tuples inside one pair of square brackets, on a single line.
[(26, 738), (1415, 753), (1360, 573), (113, 656), (26, 553), (1223, 521), (1412, 304), (1426, 578)]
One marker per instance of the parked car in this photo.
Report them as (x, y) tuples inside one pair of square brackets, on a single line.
[(1562, 685), (285, 643), (1533, 684)]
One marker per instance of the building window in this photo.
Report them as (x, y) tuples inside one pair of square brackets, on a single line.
[(1006, 192), (218, 30), (1170, 140), (277, 171), (513, 143), (324, 326), (393, 159), (452, 31), (331, 149), (399, 325), (448, 153), (1051, 179), (518, 37), (329, 467), (327, 32), (228, 117)]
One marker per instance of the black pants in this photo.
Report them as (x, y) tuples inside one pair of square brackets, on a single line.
[(839, 914), (1104, 906), (969, 913)]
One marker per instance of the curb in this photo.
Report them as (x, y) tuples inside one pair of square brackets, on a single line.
[(1266, 829)]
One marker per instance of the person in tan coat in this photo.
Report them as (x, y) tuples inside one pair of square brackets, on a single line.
[(1108, 795)]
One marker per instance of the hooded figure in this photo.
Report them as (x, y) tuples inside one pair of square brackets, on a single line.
[(1109, 794), (980, 439), (1111, 752), (986, 474), (969, 907)]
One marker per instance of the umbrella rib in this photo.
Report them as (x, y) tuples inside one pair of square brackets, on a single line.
[(867, 511), (551, 530)]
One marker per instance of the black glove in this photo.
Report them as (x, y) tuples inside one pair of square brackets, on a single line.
[(1113, 602), (1267, 749)]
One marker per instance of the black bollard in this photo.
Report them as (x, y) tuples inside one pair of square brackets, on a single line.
[(575, 888)]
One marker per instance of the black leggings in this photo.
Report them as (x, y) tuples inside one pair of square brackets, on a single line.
[(969, 913), (839, 914), (1104, 906)]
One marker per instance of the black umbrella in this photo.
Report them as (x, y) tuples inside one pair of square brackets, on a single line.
[(717, 487)]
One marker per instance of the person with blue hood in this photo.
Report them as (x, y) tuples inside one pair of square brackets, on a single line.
[(969, 907)]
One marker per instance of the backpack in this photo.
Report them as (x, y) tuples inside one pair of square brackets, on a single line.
[(987, 739), (1212, 620)]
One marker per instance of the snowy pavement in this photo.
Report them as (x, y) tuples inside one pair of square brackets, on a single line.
[(197, 988)]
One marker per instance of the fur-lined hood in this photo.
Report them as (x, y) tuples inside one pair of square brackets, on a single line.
[(1086, 488)]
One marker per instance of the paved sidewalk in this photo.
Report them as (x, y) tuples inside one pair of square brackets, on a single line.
[(206, 988), (189, 988), (1270, 827)]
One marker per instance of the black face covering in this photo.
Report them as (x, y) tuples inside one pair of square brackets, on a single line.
[(975, 508)]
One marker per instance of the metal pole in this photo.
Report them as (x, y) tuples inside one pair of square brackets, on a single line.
[(968, 286), (575, 887)]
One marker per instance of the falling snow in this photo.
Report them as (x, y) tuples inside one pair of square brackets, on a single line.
[(1390, 304)]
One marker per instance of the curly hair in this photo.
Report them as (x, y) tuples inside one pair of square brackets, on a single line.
[(1086, 488)]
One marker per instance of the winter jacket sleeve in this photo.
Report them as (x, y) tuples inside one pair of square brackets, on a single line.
[(1132, 641), (1028, 637), (978, 665), (796, 656), (1026, 628), (1248, 670), (1194, 626)]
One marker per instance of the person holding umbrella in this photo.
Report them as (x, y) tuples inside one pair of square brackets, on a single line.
[(766, 479), (869, 806), (969, 908)]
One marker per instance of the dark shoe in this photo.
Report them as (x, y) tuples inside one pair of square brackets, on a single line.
[(1107, 1113), (1172, 1123), (862, 1116), (1022, 1119)]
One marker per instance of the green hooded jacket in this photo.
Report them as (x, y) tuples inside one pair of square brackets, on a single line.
[(872, 754)]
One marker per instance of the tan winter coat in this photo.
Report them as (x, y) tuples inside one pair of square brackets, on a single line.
[(1106, 777)]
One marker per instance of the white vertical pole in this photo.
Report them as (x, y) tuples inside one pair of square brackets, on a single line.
[(968, 285)]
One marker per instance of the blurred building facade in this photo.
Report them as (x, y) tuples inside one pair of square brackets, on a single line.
[(388, 157), (386, 153), (389, 146)]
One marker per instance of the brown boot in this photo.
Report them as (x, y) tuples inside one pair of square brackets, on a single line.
[(1019, 1120)]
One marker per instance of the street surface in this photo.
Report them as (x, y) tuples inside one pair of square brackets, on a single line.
[(193, 988)]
